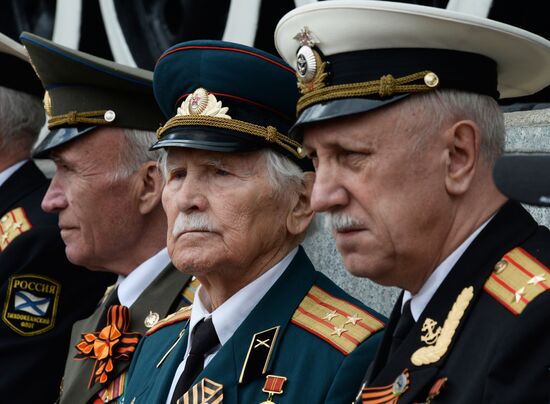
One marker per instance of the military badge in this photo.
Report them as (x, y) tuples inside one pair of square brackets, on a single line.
[(435, 390), (273, 385), (151, 319), (12, 225), (386, 394), (439, 340), (31, 304)]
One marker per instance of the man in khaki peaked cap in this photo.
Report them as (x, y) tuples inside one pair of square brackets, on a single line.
[(398, 112), (41, 293), (107, 192)]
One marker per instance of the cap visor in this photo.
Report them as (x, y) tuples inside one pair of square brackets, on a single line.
[(58, 137), (338, 109)]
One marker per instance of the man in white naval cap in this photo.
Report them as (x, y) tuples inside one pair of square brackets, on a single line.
[(399, 114)]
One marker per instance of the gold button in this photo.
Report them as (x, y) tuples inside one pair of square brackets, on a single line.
[(500, 266), (431, 79)]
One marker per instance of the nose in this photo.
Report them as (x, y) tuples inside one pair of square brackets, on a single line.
[(191, 195), (55, 200), (328, 193)]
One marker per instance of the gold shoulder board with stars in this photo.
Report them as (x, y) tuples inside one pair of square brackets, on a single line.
[(12, 225), (517, 279), (180, 315), (336, 321)]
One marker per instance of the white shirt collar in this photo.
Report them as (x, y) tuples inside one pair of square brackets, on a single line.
[(133, 285), (230, 315), (425, 294), (7, 173)]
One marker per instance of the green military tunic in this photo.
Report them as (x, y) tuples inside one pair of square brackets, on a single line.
[(320, 339)]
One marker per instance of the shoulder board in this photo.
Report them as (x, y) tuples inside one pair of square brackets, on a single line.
[(517, 279), (182, 314), (12, 225), (188, 293), (338, 322)]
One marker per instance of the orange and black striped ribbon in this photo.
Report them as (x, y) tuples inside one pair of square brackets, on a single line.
[(204, 392), (385, 394), (113, 342)]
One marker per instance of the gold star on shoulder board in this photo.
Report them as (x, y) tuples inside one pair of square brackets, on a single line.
[(535, 280), (519, 293), (338, 331), (353, 319), (330, 315)]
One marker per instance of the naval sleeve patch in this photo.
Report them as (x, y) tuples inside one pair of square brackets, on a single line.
[(517, 279), (180, 315), (12, 225), (338, 322)]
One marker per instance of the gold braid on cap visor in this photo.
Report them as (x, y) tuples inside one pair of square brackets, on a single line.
[(269, 133), (385, 87), (73, 118)]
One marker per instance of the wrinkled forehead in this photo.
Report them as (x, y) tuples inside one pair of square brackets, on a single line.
[(245, 161)]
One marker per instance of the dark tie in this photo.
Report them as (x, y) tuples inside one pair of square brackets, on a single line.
[(204, 341), (402, 328)]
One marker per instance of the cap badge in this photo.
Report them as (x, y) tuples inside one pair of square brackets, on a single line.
[(306, 38), (47, 104), (201, 102), (310, 67)]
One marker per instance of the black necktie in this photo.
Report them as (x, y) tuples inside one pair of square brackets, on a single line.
[(203, 342), (402, 328)]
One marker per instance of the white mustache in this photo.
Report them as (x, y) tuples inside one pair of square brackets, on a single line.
[(341, 222), (194, 222)]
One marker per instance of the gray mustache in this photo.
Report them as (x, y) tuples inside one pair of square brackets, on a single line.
[(194, 222), (340, 222)]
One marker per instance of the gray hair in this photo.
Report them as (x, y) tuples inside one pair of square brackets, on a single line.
[(21, 118), (445, 105), (136, 146)]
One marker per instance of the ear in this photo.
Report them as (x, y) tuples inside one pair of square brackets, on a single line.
[(150, 184), (463, 144), (300, 216)]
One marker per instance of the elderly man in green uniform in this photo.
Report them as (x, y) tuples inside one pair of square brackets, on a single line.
[(107, 192), (399, 114), (265, 325), (41, 293)]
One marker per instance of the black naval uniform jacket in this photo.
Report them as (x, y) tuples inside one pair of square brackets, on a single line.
[(500, 350), (42, 294), (168, 292)]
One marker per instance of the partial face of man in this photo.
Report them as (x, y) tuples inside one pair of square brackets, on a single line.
[(96, 213), (385, 195), (222, 215)]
